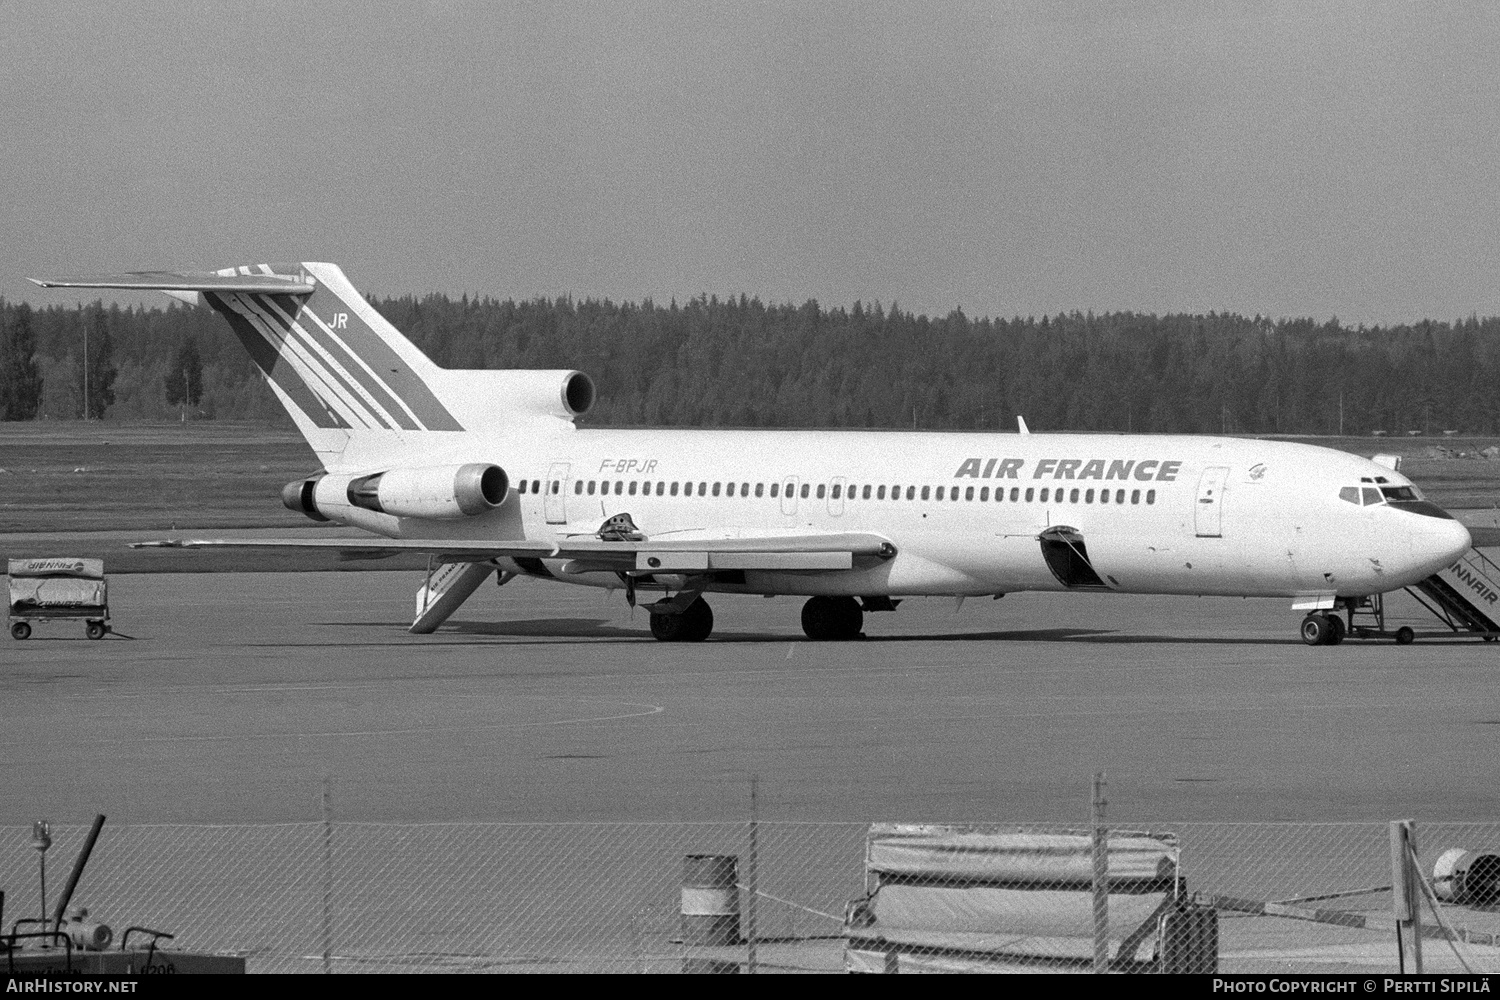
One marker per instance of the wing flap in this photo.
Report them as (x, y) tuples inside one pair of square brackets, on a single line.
[(791, 553)]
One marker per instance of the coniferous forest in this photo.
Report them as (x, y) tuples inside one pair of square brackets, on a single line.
[(740, 362)]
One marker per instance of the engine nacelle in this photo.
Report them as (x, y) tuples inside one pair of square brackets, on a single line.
[(445, 491), (301, 496)]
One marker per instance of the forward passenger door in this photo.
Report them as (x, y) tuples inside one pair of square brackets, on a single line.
[(1208, 511)]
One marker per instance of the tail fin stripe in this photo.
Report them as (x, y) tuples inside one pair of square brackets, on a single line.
[(378, 393), (365, 343), (269, 360), (354, 377), (315, 369)]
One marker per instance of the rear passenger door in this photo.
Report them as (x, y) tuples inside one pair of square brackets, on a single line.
[(789, 496)]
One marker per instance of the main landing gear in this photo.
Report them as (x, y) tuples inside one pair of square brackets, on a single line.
[(831, 619), (692, 624)]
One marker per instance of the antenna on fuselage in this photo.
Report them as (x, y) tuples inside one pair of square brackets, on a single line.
[(1021, 424)]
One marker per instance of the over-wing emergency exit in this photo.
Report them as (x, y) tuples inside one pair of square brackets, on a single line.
[(487, 472)]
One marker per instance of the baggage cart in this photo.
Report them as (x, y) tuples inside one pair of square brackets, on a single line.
[(58, 588)]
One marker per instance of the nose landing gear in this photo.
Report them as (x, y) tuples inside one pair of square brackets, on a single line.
[(1328, 628), (1320, 629)]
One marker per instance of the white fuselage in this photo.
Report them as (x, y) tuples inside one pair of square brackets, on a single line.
[(1184, 514)]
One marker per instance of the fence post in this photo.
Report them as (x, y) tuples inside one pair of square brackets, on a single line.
[(752, 885), (1101, 877), (327, 878), (1405, 902)]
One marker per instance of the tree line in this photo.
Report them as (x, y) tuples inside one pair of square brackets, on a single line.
[(742, 362)]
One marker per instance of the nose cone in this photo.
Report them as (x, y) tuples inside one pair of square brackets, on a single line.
[(1439, 543)]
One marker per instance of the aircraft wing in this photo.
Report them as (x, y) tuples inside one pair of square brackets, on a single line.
[(787, 553), (172, 281)]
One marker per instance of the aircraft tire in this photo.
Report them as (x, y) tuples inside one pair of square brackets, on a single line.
[(832, 619), (1337, 635), (1317, 630), (697, 621), (1405, 636), (20, 630), (667, 628)]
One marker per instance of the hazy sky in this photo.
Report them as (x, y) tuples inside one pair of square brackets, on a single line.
[(1306, 158)]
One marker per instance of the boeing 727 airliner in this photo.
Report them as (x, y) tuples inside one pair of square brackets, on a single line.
[(487, 472)]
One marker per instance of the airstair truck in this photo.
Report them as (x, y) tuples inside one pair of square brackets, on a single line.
[(58, 588)]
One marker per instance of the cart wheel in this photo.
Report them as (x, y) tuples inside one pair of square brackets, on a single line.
[(96, 630), (1404, 636), (20, 630)]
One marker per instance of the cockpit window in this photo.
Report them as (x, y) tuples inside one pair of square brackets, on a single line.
[(1350, 494), (1399, 493), (1371, 495)]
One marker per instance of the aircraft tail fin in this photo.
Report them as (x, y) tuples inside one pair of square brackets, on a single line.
[(359, 391)]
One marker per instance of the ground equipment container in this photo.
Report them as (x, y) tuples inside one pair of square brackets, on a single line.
[(58, 588)]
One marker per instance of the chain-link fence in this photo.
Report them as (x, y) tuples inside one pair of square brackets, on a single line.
[(783, 896)]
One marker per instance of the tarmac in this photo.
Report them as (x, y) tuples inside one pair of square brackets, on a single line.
[(229, 697)]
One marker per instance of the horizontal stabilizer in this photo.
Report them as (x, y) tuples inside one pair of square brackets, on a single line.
[(171, 281)]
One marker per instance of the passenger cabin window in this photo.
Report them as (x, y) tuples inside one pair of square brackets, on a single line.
[(1151, 496), (1042, 497), (1028, 494), (822, 491), (805, 489), (578, 486), (775, 489), (836, 489), (939, 493), (674, 488), (716, 489), (984, 493), (1073, 495), (760, 489), (703, 489), (521, 486), (865, 494), (926, 492), (1135, 496)]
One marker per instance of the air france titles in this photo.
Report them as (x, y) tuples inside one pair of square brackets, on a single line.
[(1146, 470)]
